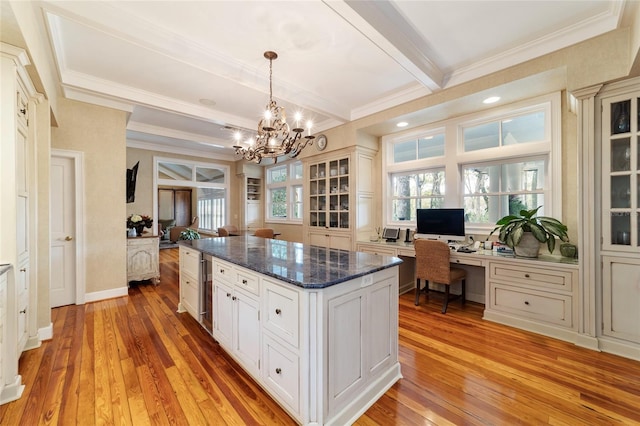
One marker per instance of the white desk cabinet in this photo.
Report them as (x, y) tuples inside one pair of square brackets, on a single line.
[(143, 259)]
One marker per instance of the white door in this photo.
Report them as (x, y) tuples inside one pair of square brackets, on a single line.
[(63, 242)]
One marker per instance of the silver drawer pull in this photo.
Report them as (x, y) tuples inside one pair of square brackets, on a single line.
[(278, 311), (278, 371)]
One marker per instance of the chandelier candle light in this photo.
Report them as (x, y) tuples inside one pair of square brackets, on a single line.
[(274, 139)]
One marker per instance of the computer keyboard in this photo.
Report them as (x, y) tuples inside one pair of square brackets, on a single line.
[(465, 250)]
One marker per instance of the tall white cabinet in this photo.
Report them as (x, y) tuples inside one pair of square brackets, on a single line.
[(17, 217), (339, 201), (252, 193), (620, 226)]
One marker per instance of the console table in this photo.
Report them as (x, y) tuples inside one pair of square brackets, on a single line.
[(539, 295), (143, 258)]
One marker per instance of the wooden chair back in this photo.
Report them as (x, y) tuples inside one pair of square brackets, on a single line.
[(432, 261), (223, 232), (264, 232)]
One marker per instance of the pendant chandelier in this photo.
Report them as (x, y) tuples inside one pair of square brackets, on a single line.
[(274, 137)]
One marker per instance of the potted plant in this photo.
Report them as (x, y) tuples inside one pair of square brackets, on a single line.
[(189, 234), (526, 231)]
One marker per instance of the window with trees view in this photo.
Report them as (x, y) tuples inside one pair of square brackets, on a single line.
[(284, 191), (492, 163)]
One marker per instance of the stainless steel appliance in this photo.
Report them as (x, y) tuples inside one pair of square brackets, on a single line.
[(206, 293)]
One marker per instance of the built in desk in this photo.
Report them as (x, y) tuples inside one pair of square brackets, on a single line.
[(539, 295)]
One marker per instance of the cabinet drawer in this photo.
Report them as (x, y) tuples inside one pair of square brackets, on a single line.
[(248, 281), (474, 259), (190, 261), (381, 251), (223, 271), (281, 373), (281, 307), (537, 305), (539, 277)]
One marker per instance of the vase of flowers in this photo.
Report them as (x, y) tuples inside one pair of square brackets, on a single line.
[(139, 222)]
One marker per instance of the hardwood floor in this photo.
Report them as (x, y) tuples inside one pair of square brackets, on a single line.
[(134, 360)]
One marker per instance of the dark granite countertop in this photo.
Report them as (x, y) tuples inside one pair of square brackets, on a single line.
[(305, 266)]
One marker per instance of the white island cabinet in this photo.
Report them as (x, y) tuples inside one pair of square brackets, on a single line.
[(323, 331)]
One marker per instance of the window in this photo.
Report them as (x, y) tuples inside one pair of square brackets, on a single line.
[(493, 191), (284, 192), (211, 207), (413, 191), (492, 163)]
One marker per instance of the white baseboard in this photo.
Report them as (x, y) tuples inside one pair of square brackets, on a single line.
[(46, 333), (106, 294)]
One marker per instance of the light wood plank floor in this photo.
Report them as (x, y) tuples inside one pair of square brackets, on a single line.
[(134, 360)]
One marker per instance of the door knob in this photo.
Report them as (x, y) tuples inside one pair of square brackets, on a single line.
[(68, 238)]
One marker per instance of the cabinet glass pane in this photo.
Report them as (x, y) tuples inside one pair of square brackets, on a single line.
[(620, 192), (344, 220), (620, 155), (621, 228), (620, 118)]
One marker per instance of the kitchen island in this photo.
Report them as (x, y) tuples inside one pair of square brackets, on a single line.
[(317, 328)]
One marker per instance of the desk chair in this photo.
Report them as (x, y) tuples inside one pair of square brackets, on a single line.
[(231, 229), (222, 232), (264, 232), (432, 264)]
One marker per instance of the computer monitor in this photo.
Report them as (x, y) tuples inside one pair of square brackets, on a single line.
[(440, 224)]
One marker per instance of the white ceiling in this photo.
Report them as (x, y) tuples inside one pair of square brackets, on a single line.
[(338, 60)]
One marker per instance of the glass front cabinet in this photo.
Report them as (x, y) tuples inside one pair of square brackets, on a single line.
[(621, 172), (620, 249), (336, 184)]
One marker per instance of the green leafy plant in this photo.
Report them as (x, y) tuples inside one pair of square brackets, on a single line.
[(545, 229), (189, 234)]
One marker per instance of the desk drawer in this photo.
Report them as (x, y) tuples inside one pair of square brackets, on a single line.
[(535, 276), (537, 305), (381, 251), (470, 259)]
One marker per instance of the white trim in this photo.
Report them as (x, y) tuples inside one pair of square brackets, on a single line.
[(106, 294), (78, 163), (46, 333)]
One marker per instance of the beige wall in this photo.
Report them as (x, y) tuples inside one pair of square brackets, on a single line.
[(100, 133)]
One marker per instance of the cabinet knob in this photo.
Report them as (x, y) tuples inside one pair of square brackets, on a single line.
[(526, 276), (228, 294), (278, 311), (23, 111), (222, 271), (234, 298), (23, 269), (526, 302), (244, 281), (278, 371), (68, 238), (24, 311)]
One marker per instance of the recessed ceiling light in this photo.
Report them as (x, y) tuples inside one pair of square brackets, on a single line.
[(207, 102), (491, 99), (402, 124)]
